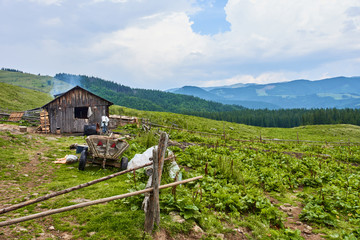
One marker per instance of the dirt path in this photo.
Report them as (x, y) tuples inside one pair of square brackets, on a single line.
[(38, 172), (292, 218)]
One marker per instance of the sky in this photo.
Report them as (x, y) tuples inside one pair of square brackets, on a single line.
[(163, 44)]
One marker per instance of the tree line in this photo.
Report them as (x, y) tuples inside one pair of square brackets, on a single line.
[(155, 100), (286, 118)]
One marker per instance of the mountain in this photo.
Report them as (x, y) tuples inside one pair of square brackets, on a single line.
[(144, 99), (339, 92), (153, 100)]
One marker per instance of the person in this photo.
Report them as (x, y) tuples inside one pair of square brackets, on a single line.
[(104, 123)]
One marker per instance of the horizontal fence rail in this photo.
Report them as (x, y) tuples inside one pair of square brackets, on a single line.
[(81, 205)]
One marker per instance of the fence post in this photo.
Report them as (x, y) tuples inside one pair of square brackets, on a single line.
[(161, 151), (152, 205)]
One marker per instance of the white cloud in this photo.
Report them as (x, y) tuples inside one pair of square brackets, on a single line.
[(154, 47), (264, 78), (48, 2), (52, 22), (290, 28), (151, 41)]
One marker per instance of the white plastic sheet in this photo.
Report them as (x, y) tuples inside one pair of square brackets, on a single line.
[(144, 158)]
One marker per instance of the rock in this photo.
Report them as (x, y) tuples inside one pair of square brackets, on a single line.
[(290, 214), (298, 223), (220, 235), (25, 175), (35, 194), (176, 217), (70, 167), (51, 228), (66, 236), (287, 204), (80, 200), (51, 138), (21, 229), (307, 229), (197, 229), (92, 233)]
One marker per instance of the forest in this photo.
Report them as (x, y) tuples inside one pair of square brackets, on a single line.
[(155, 100)]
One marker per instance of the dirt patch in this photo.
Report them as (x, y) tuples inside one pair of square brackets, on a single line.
[(15, 129), (293, 221), (36, 172)]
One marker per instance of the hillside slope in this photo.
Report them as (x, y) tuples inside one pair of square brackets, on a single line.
[(339, 92), (144, 99), (19, 98), (31, 81)]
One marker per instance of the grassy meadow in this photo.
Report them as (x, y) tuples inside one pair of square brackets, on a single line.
[(252, 189), (19, 99)]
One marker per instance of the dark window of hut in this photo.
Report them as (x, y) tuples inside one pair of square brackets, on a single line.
[(81, 112)]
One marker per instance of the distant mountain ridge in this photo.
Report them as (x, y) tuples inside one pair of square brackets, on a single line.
[(339, 92)]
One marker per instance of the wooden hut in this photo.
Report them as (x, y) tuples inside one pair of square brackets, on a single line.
[(71, 111)]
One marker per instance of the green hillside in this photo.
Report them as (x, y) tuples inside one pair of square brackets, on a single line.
[(31, 81), (19, 98), (252, 188), (27, 80), (330, 133)]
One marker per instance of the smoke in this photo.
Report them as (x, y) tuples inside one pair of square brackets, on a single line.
[(64, 82)]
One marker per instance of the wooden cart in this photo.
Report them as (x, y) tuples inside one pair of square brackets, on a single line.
[(104, 150)]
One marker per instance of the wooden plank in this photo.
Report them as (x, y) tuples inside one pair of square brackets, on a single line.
[(54, 194), (15, 116), (85, 204)]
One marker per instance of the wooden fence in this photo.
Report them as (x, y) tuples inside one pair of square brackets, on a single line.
[(151, 201)]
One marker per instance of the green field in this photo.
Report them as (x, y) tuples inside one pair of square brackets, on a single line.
[(19, 99), (39, 83), (253, 188)]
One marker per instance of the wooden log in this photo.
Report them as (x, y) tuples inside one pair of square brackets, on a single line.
[(151, 198), (156, 183), (161, 151), (85, 204), (54, 194)]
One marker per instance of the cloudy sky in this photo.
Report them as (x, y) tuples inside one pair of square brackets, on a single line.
[(162, 44)]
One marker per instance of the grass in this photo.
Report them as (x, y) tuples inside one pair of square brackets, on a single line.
[(330, 133), (238, 178), (19, 99), (27, 80)]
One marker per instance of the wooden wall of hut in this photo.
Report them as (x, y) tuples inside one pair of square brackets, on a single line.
[(76, 108)]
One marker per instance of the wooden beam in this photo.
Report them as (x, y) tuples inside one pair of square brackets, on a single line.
[(85, 204), (83, 185)]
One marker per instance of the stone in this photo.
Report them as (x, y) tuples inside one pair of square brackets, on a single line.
[(197, 229), (287, 204), (66, 236), (51, 228), (220, 235), (176, 217), (21, 229)]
